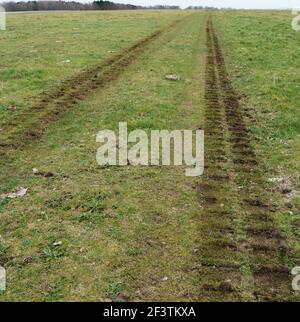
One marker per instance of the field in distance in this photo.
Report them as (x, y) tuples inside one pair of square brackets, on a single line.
[(85, 232)]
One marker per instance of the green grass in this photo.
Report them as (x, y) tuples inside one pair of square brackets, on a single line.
[(38, 51), (262, 56), (109, 220), (91, 232), (263, 60)]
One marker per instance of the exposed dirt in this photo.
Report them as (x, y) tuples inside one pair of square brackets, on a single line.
[(51, 105), (237, 219), (243, 254)]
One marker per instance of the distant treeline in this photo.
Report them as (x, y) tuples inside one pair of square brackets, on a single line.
[(73, 5), (162, 7), (201, 8), (64, 5)]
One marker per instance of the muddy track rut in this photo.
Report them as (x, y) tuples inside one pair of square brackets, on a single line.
[(51, 105), (243, 254)]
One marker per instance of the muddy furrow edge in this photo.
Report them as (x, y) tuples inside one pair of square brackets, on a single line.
[(51, 105), (245, 255)]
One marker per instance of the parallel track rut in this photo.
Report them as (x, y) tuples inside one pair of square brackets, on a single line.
[(51, 105), (243, 253)]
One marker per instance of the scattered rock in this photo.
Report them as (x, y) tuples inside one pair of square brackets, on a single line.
[(35, 171), (12, 108), (58, 243), (284, 186), (20, 192), (172, 77), (276, 179)]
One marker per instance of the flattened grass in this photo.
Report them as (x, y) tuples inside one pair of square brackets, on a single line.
[(261, 52), (91, 233), (40, 50)]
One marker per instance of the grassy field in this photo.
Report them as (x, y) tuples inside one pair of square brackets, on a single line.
[(267, 75), (40, 50), (148, 233)]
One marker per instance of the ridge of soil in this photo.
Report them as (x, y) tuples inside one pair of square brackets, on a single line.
[(52, 104), (243, 253)]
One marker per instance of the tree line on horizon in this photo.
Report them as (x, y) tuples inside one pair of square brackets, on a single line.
[(201, 8), (74, 5)]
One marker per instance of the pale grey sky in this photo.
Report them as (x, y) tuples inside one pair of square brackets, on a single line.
[(248, 4), (238, 4)]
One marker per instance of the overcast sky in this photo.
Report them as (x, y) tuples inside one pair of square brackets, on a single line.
[(239, 4), (251, 4)]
